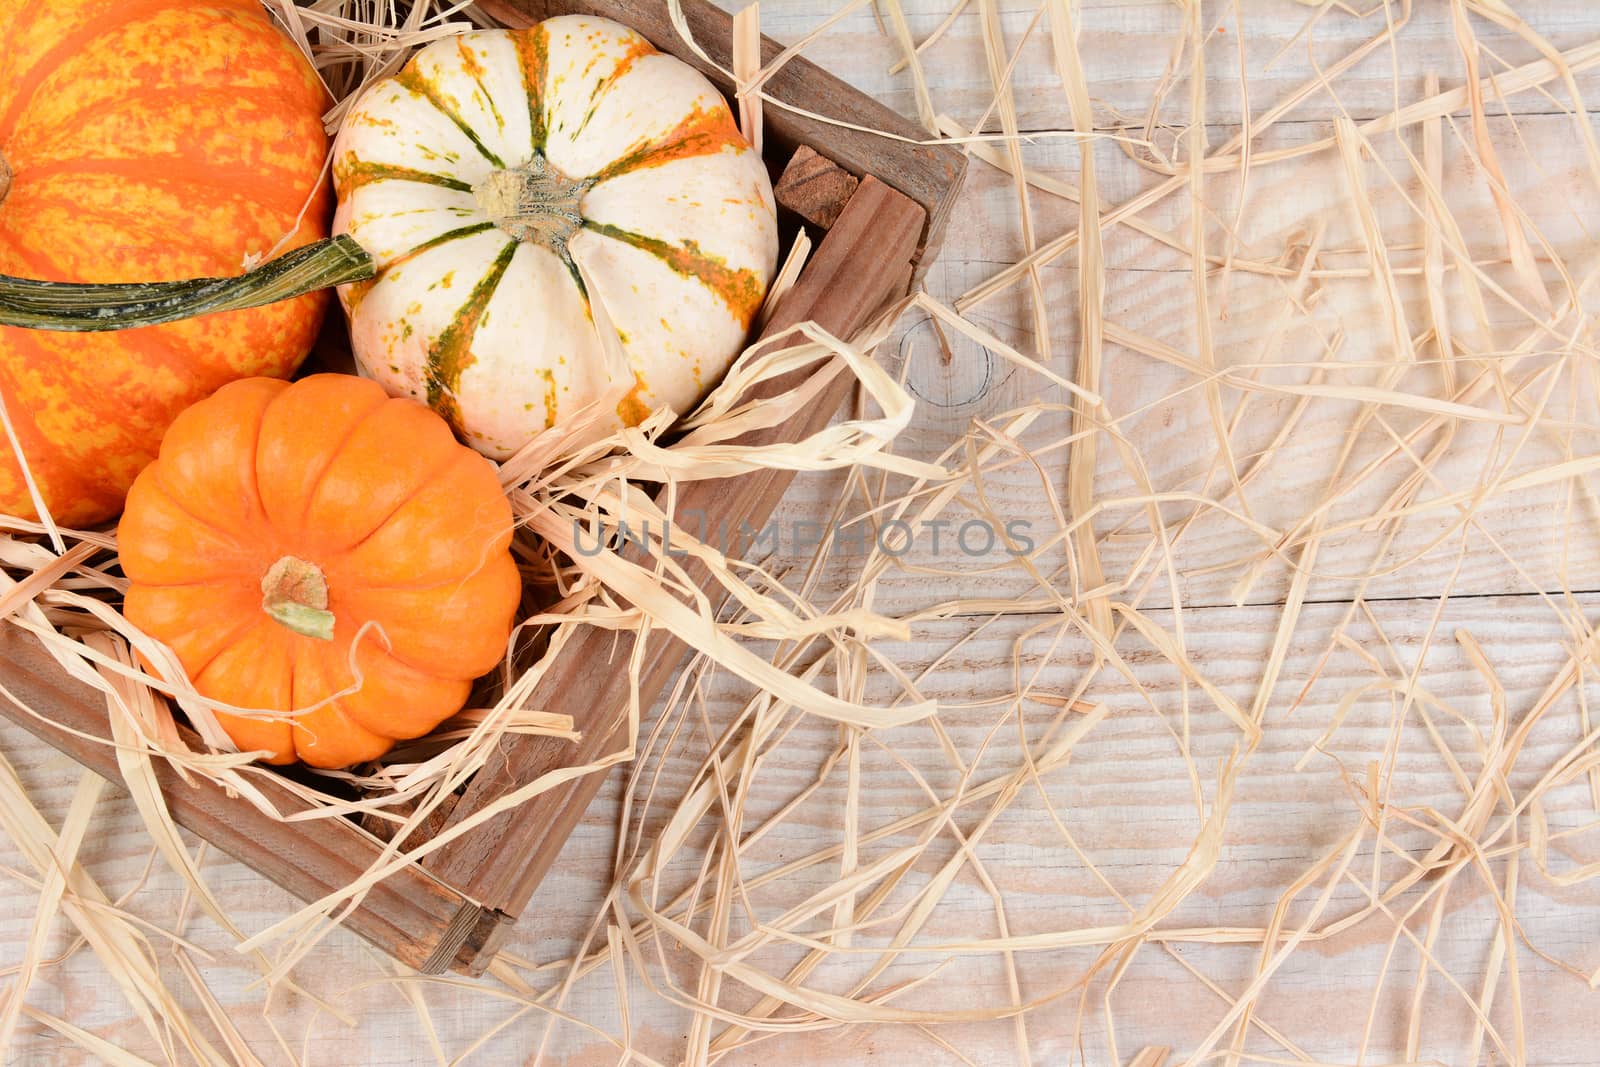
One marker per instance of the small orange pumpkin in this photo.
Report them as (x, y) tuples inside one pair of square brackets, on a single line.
[(144, 140), (288, 532)]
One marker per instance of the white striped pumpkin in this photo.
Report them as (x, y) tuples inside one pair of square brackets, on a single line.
[(501, 176)]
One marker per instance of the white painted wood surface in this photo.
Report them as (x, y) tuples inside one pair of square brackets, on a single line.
[(1126, 797)]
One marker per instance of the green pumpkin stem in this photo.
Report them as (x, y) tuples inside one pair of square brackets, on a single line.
[(77, 307), (295, 593)]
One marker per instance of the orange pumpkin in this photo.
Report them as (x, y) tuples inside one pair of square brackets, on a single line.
[(144, 140), (289, 532)]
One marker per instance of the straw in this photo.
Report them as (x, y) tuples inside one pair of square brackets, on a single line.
[(1287, 447)]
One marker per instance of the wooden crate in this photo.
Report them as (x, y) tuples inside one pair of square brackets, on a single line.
[(451, 910)]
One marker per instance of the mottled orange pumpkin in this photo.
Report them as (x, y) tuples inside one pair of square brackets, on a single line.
[(283, 524), (144, 140)]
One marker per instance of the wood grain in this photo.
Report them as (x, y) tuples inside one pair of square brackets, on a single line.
[(1128, 794), (404, 915), (925, 173), (814, 187), (1127, 44), (852, 273), (1128, 801), (1149, 294)]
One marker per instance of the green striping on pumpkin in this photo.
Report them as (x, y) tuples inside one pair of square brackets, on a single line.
[(702, 133), (447, 237), (351, 174), (638, 51), (579, 142), (533, 59), (418, 83), (451, 352), (742, 290)]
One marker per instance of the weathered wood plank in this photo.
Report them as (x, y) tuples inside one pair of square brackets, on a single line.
[(814, 187), (1127, 793), (404, 915), (1127, 798), (1127, 44), (1164, 417)]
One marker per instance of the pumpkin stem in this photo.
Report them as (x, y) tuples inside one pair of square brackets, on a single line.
[(534, 202), (76, 307), (295, 593)]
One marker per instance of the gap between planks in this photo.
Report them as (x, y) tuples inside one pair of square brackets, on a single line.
[(1215, 606), (1054, 133)]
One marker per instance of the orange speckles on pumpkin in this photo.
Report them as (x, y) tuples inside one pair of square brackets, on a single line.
[(635, 51), (550, 407), (435, 155), (125, 149), (472, 66), (740, 289), (533, 46), (703, 132), (632, 409), (412, 79), (101, 64), (470, 63), (351, 295)]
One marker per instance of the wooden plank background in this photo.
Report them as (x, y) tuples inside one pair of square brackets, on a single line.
[(1126, 796)]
